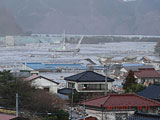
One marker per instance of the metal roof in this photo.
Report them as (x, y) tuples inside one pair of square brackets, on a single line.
[(132, 64), (41, 66)]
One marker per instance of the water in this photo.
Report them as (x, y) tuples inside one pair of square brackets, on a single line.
[(40, 53)]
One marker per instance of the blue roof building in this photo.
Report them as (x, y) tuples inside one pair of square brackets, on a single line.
[(50, 67)]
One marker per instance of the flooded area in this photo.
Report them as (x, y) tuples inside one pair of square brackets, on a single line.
[(41, 53)]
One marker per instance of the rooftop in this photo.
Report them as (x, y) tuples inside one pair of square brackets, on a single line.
[(131, 64), (147, 73), (151, 92), (125, 100), (65, 91), (140, 116), (88, 76), (34, 76), (135, 68), (41, 66)]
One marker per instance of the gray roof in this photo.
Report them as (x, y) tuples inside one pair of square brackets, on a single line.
[(65, 91), (151, 92), (88, 76), (139, 116)]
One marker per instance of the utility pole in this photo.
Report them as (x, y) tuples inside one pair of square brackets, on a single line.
[(107, 73), (72, 103), (106, 81), (16, 104), (84, 107)]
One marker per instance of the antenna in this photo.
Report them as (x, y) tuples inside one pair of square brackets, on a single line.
[(64, 41)]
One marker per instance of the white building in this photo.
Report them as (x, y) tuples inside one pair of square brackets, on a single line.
[(44, 83)]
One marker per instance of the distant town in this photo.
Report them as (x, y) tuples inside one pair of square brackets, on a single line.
[(46, 77)]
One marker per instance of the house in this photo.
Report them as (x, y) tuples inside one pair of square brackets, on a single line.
[(147, 76), (89, 81), (145, 59), (151, 92), (119, 106), (44, 83), (150, 60), (134, 67), (130, 59)]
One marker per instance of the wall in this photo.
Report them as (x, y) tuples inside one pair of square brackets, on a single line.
[(107, 115), (42, 83), (78, 86)]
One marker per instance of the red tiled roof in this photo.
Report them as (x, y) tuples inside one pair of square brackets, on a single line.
[(6, 117), (90, 118), (132, 100), (147, 73)]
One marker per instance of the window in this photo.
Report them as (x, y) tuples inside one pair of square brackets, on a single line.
[(71, 85), (85, 86), (46, 89), (102, 86)]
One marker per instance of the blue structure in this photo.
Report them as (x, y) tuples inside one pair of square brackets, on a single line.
[(41, 66), (132, 64)]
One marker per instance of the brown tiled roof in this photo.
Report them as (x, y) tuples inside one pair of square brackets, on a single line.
[(147, 73), (6, 117), (130, 100)]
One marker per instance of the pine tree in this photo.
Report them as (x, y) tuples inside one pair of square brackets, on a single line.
[(130, 79)]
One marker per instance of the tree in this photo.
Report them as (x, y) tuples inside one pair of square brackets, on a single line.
[(157, 48), (11, 85), (31, 100), (134, 88), (130, 79), (45, 102), (76, 96)]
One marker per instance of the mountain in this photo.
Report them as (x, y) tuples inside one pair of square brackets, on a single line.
[(87, 16), (8, 25)]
